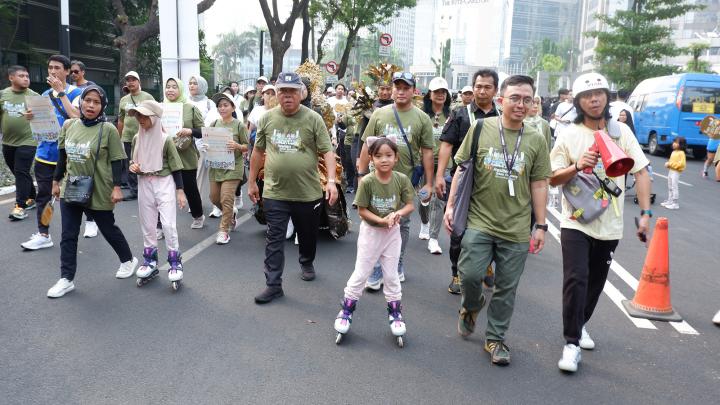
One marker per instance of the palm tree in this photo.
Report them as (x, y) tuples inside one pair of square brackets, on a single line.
[(230, 49)]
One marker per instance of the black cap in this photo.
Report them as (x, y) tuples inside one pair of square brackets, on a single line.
[(290, 80), (405, 77)]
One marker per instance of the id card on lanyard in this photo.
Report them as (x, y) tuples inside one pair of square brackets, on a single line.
[(509, 163)]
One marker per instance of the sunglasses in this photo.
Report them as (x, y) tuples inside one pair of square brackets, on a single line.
[(403, 75)]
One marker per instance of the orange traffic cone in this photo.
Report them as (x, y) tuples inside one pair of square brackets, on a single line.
[(652, 299)]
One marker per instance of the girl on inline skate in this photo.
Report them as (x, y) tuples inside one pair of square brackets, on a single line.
[(156, 162), (383, 197)]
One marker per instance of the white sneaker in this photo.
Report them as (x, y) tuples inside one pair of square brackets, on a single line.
[(216, 212), (198, 222), (434, 247), (673, 206), (175, 275), (570, 358), (38, 241), (297, 242), (716, 318), (222, 238), (586, 341), (62, 287), (290, 230), (91, 229), (127, 269), (238, 202), (159, 233), (665, 203), (424, 231)]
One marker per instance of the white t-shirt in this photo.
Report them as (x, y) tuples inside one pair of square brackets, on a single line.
[(564, 116), (569, 147), (256, 114), (333, 101)]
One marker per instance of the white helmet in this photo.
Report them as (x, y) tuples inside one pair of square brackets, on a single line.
[(589, 81), (438, 83)]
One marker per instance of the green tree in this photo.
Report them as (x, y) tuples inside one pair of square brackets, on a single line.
[(535, 53), (281, 32), (357, 14), (323, 19), (552, 64), (636, 40), (230, 49), (696, 50)]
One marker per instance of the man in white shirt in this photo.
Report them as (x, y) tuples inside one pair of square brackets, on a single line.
[(564, 115)]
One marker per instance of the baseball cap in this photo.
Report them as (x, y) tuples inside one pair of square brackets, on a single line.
[(132, 73), (466, 89), (438, 83), (405, 77), (289, 80), (269, 87), (147, 108), (222, 96), (248, 89), (262, 79)]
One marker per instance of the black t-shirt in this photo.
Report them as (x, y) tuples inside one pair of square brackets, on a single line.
[(458, 124)]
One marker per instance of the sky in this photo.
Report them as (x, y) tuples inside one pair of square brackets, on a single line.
[(228, 15)]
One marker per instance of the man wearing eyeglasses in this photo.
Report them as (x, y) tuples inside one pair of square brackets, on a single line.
[(512, 166), (77, 73), (417, 129), (485, 86)]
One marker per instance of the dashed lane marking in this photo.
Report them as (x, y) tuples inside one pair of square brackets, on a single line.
[(679, 181)]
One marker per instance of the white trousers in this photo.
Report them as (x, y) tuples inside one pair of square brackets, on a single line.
[(156, 195), (673, 183), (375, 245)]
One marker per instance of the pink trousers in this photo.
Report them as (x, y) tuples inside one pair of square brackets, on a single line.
[(375, 245), (156, 195)]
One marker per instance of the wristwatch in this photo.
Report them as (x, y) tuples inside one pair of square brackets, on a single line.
[(61, 94), (544, 227), (648, 212)]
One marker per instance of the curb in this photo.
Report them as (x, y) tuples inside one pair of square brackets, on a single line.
[(7, 190)]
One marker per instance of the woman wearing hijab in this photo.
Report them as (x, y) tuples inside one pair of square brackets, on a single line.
[(89, 146), (198, 86), (535, 119), (157, 164), (192, 122)]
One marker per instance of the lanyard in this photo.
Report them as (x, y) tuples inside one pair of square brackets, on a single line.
[(509, 163)]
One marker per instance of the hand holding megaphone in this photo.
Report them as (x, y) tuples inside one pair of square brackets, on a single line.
[(589, 159)]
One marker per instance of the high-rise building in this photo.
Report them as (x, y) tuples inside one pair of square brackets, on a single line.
[(402, 29), (534, 21), (698, 27), (590, 22)]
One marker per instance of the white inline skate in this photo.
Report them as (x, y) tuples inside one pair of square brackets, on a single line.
[(148, 270), (175, 272), (397, 324), (344, 319)]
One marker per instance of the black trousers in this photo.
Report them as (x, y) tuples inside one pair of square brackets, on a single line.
[(129, 178), (192, 193), (19, 160), (349, 166), (71, 221), (586, 262), (306, 219), (44, 178), (454, 253)]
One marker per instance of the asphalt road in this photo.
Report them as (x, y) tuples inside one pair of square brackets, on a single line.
[(111, 342)]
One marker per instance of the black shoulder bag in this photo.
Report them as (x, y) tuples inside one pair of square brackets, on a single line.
[(79, 189), (465, 182), (417, 171)]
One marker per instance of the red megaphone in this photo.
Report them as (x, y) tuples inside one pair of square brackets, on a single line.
[(615, 160)]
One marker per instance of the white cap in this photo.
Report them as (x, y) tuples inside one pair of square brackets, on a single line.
[(330, 90), (262, 79), (466, 89), (269, 87), (132, 73), (248, 89), (589, 81), (438, 83)]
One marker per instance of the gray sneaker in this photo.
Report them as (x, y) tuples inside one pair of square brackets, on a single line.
[(499, 352)]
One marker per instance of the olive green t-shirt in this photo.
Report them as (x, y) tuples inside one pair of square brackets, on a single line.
[(80, 144), (350, 129), (382, 199), (239, 133), (192, 118), (13, 124), (171, 158), (541, 126), (418, 129), (492, 209), (130, 124), (438, 122), (291, 146)]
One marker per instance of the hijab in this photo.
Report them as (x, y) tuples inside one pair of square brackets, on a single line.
[(149, 147), (103, 103), (202, 88), (182, 98)]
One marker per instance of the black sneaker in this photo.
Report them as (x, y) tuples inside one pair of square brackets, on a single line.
[(269, 294), (308, 274), (454, 287)]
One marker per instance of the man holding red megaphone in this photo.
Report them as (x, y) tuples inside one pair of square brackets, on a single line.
[(590, 160)]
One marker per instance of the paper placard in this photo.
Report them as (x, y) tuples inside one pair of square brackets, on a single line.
[(172, 118), (44, 125), (218, 156)]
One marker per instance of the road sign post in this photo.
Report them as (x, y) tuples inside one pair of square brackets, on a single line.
[(385, 42)]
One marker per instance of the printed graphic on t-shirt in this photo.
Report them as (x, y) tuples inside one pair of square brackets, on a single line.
[(395, 131), (495, 161), (383, 206), (77, 152), (286, 142), (437, 131), (14, 110)]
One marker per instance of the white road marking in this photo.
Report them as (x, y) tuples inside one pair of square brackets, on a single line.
[(204, 244), (615, 295), (679, 181), (8, 201)]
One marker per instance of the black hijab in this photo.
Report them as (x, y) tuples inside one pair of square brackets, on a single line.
[(103, 104)]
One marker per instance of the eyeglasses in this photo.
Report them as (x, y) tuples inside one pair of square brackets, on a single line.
[(74, 72), (517, 100), (403, 75)]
